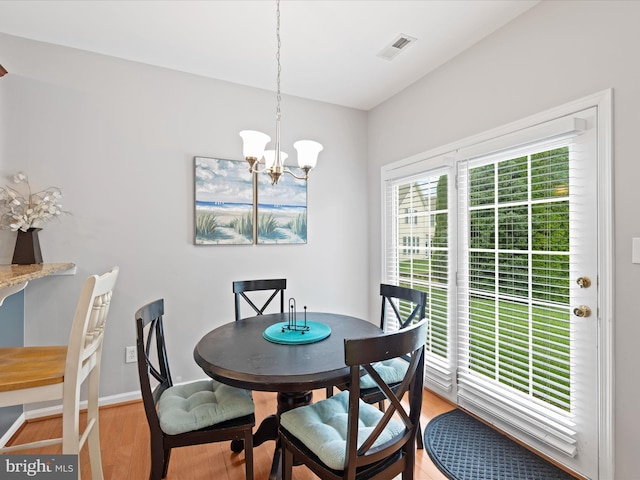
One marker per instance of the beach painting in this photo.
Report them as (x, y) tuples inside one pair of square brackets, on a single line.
[(282, 209), (224, 206)]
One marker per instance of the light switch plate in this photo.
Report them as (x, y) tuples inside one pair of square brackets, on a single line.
[(635, 251)]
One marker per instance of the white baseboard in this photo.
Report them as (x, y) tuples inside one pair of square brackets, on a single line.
[(57, 410)]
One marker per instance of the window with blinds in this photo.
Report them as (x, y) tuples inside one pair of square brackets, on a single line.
[(499, 230), (518, 284), (417, 252), (514, 289)]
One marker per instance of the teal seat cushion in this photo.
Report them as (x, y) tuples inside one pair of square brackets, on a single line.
[(391, 371), (200, 404), (322, 427)]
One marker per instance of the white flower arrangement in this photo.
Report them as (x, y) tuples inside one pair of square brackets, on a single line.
[(22, 211)]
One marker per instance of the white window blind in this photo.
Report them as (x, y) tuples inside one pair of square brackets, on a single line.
[(417, 255), (514, 297)]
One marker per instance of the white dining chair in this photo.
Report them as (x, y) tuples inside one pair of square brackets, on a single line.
[(43, 373)]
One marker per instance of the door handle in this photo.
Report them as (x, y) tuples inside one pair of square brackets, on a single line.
[(584, 282), (582, 311)]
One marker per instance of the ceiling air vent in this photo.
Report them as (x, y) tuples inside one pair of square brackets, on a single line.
[(398, 44)]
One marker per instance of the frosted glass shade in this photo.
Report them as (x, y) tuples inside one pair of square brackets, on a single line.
[(270, 158), (253, 143), (308, 151)]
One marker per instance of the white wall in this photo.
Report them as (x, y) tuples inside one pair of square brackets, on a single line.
[(556, 52), (119, 138)]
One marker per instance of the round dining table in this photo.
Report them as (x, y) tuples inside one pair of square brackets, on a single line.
[(238, 354)]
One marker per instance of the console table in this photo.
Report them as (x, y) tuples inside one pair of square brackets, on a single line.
[(14, 278)]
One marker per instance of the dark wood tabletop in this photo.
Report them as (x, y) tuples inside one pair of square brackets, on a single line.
[(238, 354)]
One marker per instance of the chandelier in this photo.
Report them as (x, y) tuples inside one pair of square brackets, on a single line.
[(254, 143)]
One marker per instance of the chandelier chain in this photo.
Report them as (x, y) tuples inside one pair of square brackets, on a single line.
[(278, 96), (254, 142)]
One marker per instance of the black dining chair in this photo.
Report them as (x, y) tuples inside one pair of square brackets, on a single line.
[(241, 287), (343, 437), (407, 305), (194, 413), (401, 307)]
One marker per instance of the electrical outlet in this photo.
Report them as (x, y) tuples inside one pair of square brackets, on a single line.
[(130, 354)]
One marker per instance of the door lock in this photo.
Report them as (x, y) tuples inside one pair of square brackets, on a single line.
[(582, 311)]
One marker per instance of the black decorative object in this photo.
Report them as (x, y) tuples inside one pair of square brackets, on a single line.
[(27, 249), (292, 324)]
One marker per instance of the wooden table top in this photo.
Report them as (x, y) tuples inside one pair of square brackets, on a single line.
[(237, 354)]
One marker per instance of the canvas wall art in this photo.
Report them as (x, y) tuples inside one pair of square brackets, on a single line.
[(224, 202), (282, 209)]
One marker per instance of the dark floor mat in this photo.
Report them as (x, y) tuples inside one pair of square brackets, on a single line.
[(464, 448)]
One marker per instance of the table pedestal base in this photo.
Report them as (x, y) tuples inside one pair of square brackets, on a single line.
[(268, 429)]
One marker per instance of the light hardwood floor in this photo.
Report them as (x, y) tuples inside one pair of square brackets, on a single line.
[(124, 438)]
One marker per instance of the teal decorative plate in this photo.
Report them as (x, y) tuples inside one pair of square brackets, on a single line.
[(278, 333)]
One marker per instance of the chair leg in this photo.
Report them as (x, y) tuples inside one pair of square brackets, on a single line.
[(329, 392), (158, 459), (410, 463), (420, 438), (95, 456), (71, 422), (166, 457), (248, 454), (287, 463)]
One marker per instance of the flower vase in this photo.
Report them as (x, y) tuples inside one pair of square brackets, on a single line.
[(27, 250)]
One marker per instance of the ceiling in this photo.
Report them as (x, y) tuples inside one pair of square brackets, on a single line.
[(328, 47)]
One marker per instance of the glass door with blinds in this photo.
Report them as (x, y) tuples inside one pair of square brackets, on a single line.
[(419, 256), (504, 242)]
